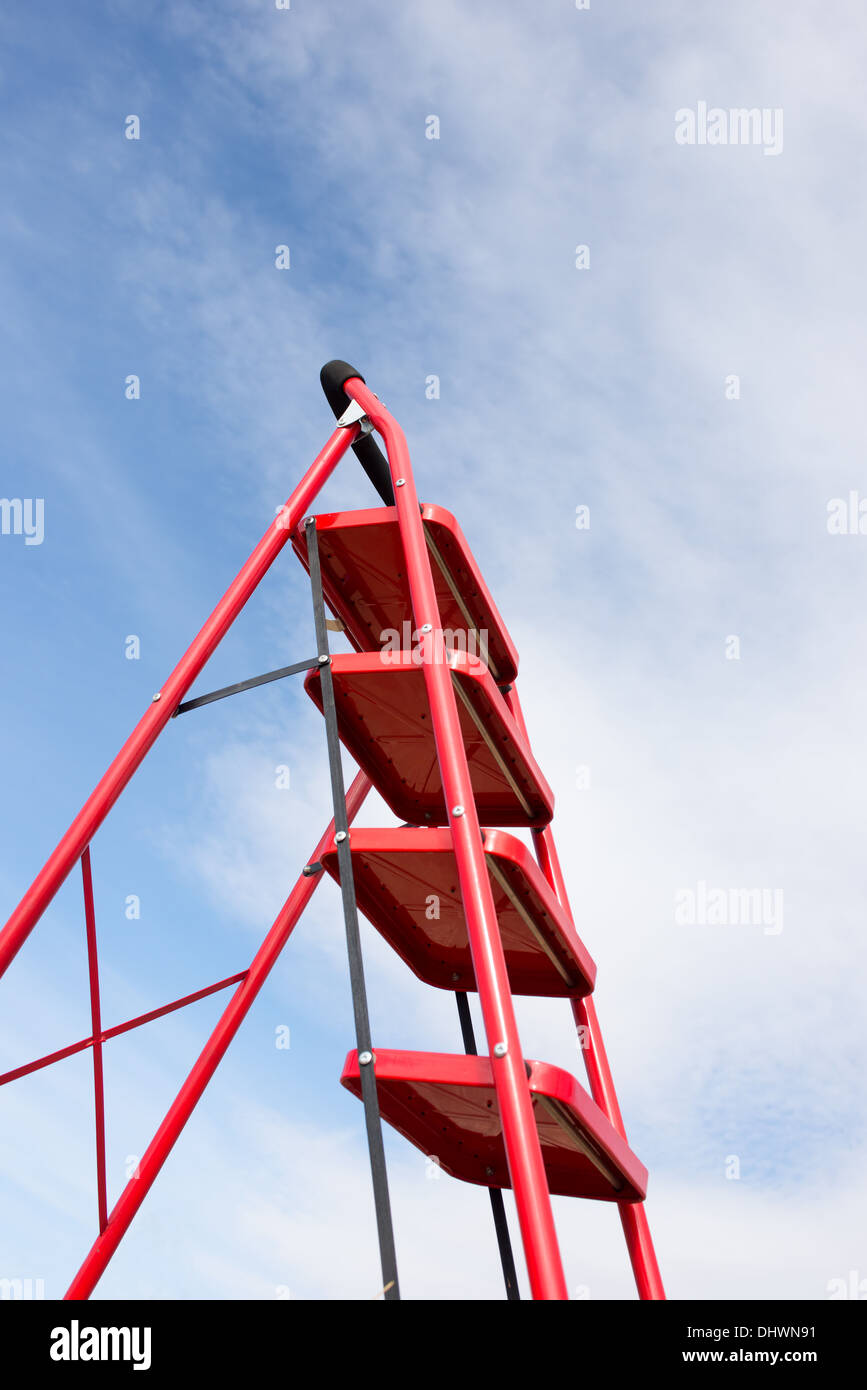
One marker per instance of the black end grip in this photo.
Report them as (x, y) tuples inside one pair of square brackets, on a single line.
[(367, 451)]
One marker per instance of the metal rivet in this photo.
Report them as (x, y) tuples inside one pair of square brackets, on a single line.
[(455, 975), (365, 1058), (500, 1049), (157, 696), (324, 660), (400, 482), (457, 810), (427, 628), (340, 836), (489, 1172)]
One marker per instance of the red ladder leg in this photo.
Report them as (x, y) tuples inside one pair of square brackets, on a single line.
[(166, 701), (97, 1035), (632, 1214), (209, 1059)]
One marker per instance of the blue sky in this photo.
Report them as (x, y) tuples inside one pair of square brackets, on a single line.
[(560, 387)]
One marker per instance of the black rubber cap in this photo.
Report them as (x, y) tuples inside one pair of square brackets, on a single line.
[(333, 376)]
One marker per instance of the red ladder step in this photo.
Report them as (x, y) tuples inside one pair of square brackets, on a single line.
[(446, 1105), (406, 883), (384, 720), (365, 584)]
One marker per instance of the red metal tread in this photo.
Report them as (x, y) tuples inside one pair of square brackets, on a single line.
[(397, 871), (365, 584), (446, 1105), (384, 719)]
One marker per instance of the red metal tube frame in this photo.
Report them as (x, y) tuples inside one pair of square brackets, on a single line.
[(160, 711), (63, 1052), (96, 1030), (633, 1216), (207, 1062), (523, 1151)]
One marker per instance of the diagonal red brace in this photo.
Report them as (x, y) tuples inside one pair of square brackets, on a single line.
[(107, 1033)]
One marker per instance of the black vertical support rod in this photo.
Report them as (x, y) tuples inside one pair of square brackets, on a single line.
[(376, 1149), (498, 1207)]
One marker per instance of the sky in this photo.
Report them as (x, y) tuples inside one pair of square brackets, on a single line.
[(692, 662)]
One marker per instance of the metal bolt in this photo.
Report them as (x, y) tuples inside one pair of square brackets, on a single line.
[(157, 696), (365, 1058), (500, 1049), (457, 810), (324, 660), (455, 975), (309, 520), (340, 836), (400, 482), (427, 628), (489, 1172)]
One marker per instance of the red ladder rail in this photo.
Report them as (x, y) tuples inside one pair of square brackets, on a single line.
[(96, 1027), (207, 1062), (165, 702), (523, 1151), (633, 1216)]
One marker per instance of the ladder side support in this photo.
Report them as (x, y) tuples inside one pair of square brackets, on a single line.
[(207, 1062), (498, 1206), (363, 1039), (160, 711), (523, 1150), (97, 1035), (633, 1216)]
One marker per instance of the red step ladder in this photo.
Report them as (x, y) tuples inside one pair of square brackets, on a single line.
[(427, 705)]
